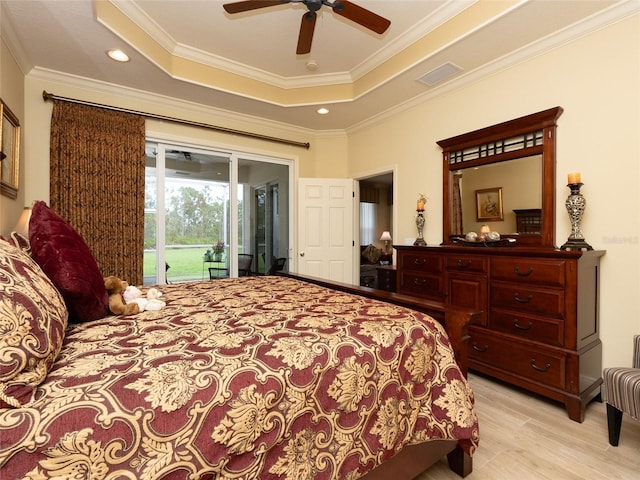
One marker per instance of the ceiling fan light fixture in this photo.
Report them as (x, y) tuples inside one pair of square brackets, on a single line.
[(118, 55), (322, 111)]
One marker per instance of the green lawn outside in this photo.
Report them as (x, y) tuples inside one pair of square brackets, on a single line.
[(187, 264)]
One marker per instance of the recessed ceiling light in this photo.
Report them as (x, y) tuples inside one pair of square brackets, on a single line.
[(118, 55), (323, 111), (312, 65)]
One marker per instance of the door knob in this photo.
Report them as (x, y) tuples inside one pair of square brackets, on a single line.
[(302, 254)]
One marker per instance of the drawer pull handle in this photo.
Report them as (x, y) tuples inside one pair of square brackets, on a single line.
[(464, 264), (523, 274), (540, 369), (419, 261), (480, 349), (516, 323), (419, 281), (522, 300)]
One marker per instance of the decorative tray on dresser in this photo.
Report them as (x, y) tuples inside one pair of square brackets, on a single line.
[(540, 324)]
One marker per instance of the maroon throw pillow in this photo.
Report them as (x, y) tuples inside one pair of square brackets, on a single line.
[(66, 259)]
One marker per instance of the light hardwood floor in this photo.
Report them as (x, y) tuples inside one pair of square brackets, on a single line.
[(527, 437)]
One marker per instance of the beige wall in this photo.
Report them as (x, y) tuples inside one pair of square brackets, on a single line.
[(12, 93), (596, 80)]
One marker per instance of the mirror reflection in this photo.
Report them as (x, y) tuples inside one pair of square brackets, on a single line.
[(506, 196), (515, 163)]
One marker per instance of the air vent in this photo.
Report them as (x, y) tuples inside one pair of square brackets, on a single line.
[(439, 74)]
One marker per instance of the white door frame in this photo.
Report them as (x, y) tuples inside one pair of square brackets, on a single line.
[(393, 169)]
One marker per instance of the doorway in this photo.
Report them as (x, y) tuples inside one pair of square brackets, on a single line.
[(376, 210)]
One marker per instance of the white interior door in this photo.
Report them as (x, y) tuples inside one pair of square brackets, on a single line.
[(325, 228)]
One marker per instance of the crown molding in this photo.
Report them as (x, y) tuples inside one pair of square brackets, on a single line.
[(186, 52), (11, 41), (411, 36), (127, 94), (610, 16), (166, 41)]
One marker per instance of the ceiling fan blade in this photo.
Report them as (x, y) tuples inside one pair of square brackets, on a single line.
[(361, 16), (307, 26), (245, 6)]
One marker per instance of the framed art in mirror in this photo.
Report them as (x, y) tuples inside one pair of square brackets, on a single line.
[(489, 205), (10, 148)]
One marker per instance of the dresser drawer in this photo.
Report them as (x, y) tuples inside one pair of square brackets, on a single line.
[(537, 364), (420, 263), (420, 285), (528, 299), (464, 263), (545, 330), (529, 270)]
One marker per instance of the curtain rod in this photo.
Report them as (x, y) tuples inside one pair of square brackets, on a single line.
[(50, 96)]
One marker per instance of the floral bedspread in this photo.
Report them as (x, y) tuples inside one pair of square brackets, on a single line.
[(249, 378)]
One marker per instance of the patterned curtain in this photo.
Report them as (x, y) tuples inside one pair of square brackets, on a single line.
[(456, 208), (97, 183)]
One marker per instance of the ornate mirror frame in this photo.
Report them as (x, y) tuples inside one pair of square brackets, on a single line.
[(526, 136)]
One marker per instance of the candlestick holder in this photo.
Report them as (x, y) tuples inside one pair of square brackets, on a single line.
[(576, 204), (420, 224)]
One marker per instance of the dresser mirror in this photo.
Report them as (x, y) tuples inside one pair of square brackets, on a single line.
[(509, 167)]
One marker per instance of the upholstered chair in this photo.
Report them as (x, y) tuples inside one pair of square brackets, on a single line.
[(277, 266), (244, 264), (621, 392)]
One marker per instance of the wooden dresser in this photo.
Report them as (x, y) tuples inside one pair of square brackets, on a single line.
[(540, 328)]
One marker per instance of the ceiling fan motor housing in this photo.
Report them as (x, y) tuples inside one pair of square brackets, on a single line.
[(313, 5), (344, 8)]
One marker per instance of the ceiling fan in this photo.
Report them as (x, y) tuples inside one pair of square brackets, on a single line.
[(349, 10)]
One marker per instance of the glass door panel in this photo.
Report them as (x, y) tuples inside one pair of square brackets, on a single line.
[(266, 222), (186, 214)]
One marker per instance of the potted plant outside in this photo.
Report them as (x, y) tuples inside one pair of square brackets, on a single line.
[(218, 250)]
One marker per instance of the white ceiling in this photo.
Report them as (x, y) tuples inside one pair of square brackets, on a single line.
[(378, 72)]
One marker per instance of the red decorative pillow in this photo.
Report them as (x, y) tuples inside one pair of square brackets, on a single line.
[(66, 259), (33, 318)]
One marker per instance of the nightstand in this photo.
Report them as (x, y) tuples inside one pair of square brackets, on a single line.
[(387, 277)]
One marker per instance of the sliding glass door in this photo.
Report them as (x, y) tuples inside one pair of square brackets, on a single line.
[(201, 218), (267, 219)]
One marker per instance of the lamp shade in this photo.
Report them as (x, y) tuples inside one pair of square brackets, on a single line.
[(22, 227), (386, 236)]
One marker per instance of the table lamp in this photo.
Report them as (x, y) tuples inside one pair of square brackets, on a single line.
[(22, 227), (386, 237)]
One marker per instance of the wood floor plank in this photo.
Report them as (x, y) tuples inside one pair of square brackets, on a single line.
[(527, 437)]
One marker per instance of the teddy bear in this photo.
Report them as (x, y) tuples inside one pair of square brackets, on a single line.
[(115, 288), (133, 295)]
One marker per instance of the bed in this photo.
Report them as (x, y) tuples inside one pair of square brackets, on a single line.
[(243, 378)]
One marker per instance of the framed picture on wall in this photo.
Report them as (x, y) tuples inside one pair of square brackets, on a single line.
[(10, 148), (489, 204)]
